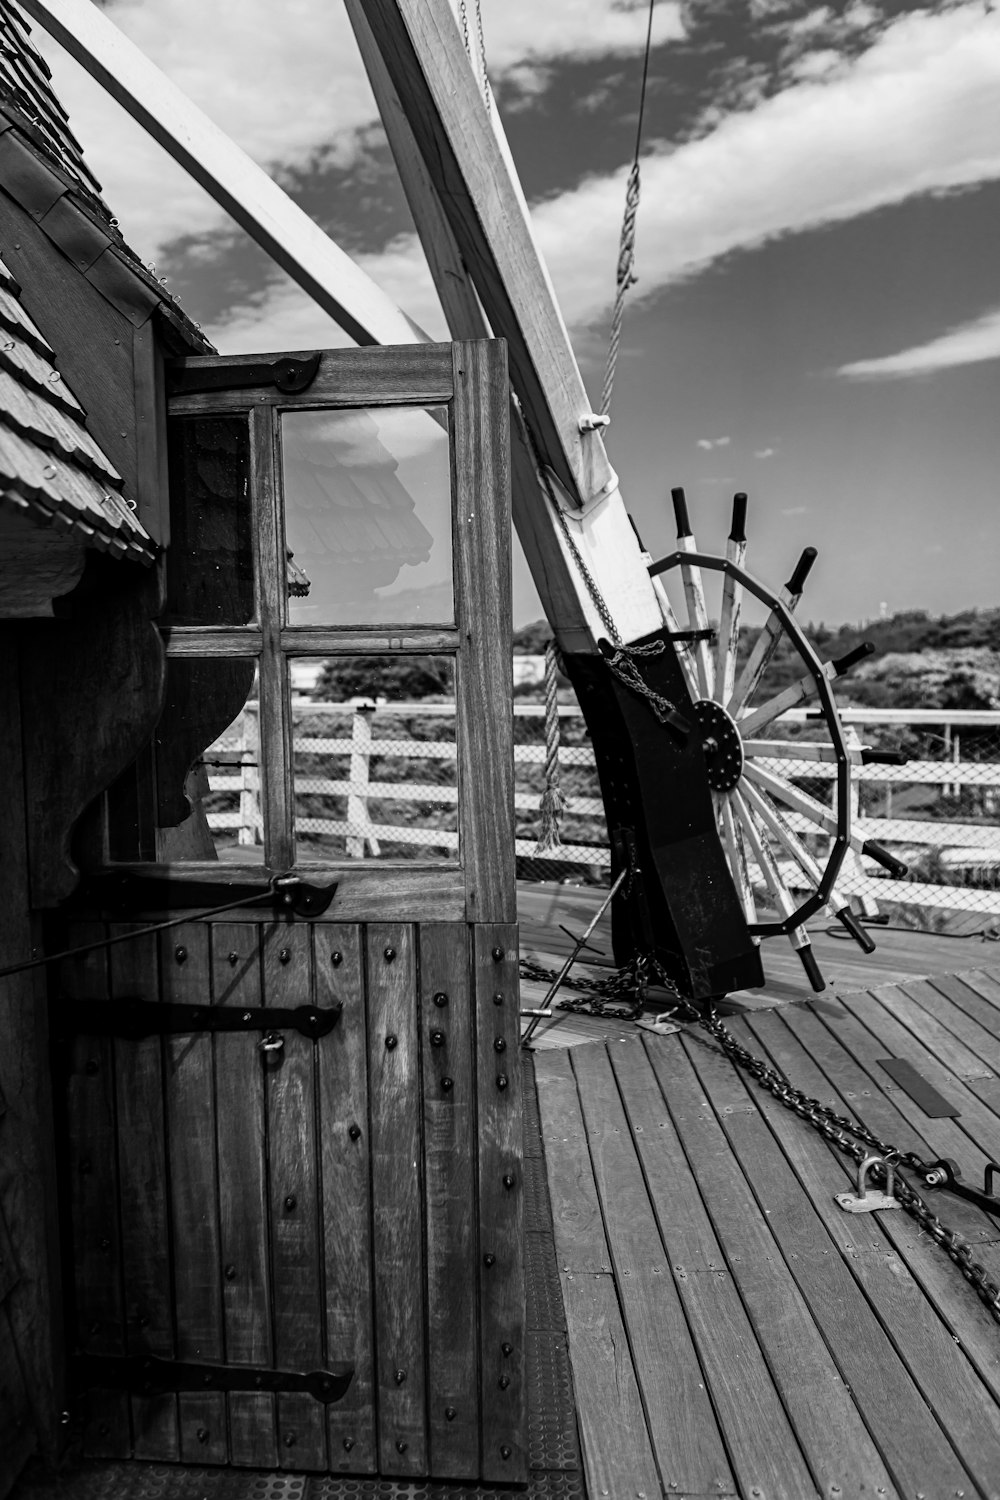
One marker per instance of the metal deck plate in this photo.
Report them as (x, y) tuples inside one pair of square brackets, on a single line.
[(553, 1445)]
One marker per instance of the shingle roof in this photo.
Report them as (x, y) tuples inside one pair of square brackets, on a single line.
[(50, 466)]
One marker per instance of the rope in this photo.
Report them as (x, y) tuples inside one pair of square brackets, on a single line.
[(553, 803), (481, 46), (626, 277)]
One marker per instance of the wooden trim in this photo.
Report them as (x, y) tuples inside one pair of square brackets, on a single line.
[(242, 188), (212, 640), (483, 690), (152, 490), (410, 892), (277, 801), (402, 375), (412, 640)]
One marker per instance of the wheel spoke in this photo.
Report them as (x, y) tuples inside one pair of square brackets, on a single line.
[(765, 644), (800, 691), (694, 595), (789, 841), (732, 595), (797, 936), (732, 836), (682, 648)]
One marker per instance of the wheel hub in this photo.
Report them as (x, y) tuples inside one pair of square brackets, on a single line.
[(721, 743)]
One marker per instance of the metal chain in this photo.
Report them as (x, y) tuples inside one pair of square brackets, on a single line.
[(833, 1127)]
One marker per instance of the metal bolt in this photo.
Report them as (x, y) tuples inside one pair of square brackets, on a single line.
[(497, 955), (447, 1084), (399, 1376), (388, 954), (64, 1419), (94, 1328), (104, 1430), (354, 1131), (290, 1203), (440, 999), (337, 958), (247, 1016), (105, 1244), (391, 1041), (505, 1452), (143, 1320), (488, 1261), (234, 958), (230, 1272), (498, 998), (401, 1446), (437, 1038), (502, 1080), (508, 1180), (348, 1444), (503, 1382), (499, 1045), (450, 1414), (506, 1350), (289, 1439), (92, 1065), (285, 956), (180, 954), (202, 1434)]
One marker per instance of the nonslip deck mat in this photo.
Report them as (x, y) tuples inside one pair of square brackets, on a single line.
[(553, 1444), (934, 1105)]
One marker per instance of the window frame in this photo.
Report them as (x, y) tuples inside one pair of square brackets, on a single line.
[(469, 380)]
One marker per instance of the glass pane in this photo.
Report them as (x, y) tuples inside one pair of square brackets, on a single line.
[(207, 755), (210, 557), (368, 516), (374, 763)]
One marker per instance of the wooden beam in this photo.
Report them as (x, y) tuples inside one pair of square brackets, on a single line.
[(226, 172), (603, 533)]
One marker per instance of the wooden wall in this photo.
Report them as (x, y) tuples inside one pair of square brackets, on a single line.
[(357, 1198), (28, 1238)]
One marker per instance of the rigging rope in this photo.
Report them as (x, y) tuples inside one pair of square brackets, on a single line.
[(626, 277), (553, 803)]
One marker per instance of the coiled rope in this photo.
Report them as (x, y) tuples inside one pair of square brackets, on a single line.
[(553, 803)]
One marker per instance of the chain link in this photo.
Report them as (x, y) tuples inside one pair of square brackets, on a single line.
[(605, 997)]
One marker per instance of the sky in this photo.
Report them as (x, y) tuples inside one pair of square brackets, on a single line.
[(817, 314)]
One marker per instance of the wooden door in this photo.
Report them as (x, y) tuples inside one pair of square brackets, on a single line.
[(293, 1194)]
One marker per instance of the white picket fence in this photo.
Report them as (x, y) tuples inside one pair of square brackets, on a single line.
[(360, 792)]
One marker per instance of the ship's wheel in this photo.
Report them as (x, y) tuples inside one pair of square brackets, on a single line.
[(786, 834)]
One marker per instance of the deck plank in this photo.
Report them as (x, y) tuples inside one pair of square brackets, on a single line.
[(981, 1043), (773, 1382), (976, 1120), (964, 991), (615, 1443), (683, 1430), (941, 1330), (902, 1424)]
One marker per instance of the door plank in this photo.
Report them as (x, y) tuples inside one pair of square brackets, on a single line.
[(688, 1168), (500, 1173), (92, 1189), (243, 1201), (398, 1232), (293, 1186), (684, 1432), (446, 1045), (345, 1161), (143, 1189), (191, 1148)]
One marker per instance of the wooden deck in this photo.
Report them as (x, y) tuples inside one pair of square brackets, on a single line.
[(732, 1331)]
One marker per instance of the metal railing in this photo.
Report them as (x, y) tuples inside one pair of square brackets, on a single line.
[(379, 780)]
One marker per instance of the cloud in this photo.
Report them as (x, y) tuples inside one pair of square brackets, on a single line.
[(292, 90), (917, 113), (796, 510), (709, 443), (969, 344), (765, 452)]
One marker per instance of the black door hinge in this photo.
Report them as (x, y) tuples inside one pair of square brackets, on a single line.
[(135, 1019), (147, 1375), (187, 377)]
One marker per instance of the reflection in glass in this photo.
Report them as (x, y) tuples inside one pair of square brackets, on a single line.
[(210, 557), (207, 762), (368, 517), (374, 768)]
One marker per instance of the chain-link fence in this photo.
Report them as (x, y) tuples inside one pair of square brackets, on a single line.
[(379, 780)]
